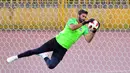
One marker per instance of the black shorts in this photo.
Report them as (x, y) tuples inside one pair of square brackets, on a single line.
[(58, 50)]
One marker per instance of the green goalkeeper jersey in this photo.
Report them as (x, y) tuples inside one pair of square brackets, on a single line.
[(67, 37)]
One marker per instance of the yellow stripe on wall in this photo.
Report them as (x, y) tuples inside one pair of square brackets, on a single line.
[(56, 18)]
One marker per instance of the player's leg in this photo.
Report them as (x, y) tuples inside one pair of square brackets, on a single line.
[(44, 48), (53, 62), (57, 56)]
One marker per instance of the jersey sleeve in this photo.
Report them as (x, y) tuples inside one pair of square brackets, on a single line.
[(86, 31), (70, 21)]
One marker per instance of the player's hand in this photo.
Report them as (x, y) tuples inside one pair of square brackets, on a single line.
[(86, 22), (95, 30)]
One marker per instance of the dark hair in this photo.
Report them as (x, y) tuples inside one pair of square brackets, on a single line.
[(82, 11)]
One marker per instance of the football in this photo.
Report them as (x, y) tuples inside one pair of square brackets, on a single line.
[(93, 25)]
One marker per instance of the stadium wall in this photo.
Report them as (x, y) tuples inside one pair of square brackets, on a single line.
[(55, 18)]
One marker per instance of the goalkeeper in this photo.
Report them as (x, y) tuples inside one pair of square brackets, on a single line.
[(74, 29)]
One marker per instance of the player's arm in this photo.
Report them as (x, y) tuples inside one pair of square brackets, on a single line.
[(74, 27), (89, 36)]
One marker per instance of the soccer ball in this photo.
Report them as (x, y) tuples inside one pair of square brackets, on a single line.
[(93, 25)]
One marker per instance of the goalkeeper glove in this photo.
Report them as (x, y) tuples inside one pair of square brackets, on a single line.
[(86, 22)]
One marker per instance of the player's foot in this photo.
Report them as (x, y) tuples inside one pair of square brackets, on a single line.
[(12, 58), (43, 55)]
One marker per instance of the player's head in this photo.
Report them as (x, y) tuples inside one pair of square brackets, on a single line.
[(82, 14)]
